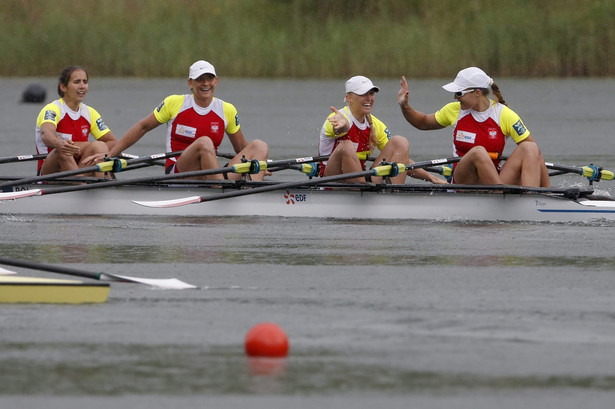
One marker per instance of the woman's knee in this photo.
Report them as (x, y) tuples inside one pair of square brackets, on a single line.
[(528, 149), (259, 146), (346, 147), (94, 147), (202, 145), (478, 151), (399, 142)]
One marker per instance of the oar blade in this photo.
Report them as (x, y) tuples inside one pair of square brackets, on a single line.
[(169, 203), (166, 283), (21, 193), (4, 271), (597, 203)]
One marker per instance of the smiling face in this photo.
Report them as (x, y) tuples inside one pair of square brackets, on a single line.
[(203, 88), (361, 105), (75, 89)]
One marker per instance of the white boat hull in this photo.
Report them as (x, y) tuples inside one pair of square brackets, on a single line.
[(338, 203)]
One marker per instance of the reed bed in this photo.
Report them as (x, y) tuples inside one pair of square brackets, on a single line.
[(309, 38)]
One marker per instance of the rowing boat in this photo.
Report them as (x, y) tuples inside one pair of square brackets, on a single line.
[(20, 289), (339, 201)]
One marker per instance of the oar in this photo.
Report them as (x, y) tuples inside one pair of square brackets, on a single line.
[(114, 165), (22, 158), (383, 170), (591, 172), (253, 167), (169, 283)]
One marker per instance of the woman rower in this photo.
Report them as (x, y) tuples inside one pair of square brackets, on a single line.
[(353, 129), (64, 125), (480, 127), (196, 125)]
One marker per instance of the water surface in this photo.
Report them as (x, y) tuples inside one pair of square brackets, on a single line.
[(378, 313)]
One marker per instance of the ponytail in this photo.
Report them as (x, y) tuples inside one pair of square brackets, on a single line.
[(497, 93)]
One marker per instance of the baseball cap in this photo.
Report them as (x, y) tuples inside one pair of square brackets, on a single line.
[(199, 68), (471, 77), (360, 85)]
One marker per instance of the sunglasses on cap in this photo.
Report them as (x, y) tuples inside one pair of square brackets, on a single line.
[(460, 94)]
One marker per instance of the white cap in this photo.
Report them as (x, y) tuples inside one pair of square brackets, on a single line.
[(360, 85), (467, 78), (199, 68)]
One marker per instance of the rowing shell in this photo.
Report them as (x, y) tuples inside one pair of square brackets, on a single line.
[(19, 289), (409, 202)]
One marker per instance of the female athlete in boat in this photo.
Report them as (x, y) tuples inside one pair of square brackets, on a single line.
[(64, 125), (196, 124), (353, 129), (480, 127)]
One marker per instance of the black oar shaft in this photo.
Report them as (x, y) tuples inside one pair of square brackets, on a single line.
[(88, 169), (171, 176), (314, 182), (22, 158), (51, 268)]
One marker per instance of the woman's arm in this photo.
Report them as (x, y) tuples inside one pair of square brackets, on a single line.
[(419, 120), (135, 133)]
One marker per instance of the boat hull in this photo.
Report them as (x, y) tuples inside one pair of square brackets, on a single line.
[(17, 289), (339, 203)]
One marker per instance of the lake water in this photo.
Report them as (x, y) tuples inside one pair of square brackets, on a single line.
[(378, 313)]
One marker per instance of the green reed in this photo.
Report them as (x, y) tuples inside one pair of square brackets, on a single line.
[(308, 38)]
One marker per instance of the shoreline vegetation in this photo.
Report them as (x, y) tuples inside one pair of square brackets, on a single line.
[(309, 38)]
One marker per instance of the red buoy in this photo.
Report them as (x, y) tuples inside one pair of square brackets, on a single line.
[(267, 340)]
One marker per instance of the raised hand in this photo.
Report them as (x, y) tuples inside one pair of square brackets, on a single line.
[(339, 122), (402, 95)]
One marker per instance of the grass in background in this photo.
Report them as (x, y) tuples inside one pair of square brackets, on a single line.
[(308, 38)]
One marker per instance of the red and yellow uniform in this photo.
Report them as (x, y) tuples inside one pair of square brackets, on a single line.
[(488, 129), (358, 134), (74, 125), (186, 122)]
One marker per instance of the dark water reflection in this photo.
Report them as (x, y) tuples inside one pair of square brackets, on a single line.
[(191, 369), (286, 255)]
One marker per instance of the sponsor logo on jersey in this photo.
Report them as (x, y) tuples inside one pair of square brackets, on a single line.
[(50, 115), (388, 133), (101, 124), (519, 128), (464, 136), (236, 119), (159, 107), (186, 131)]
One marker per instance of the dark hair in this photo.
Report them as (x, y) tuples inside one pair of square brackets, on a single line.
[(496, 93), (65, 76)]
